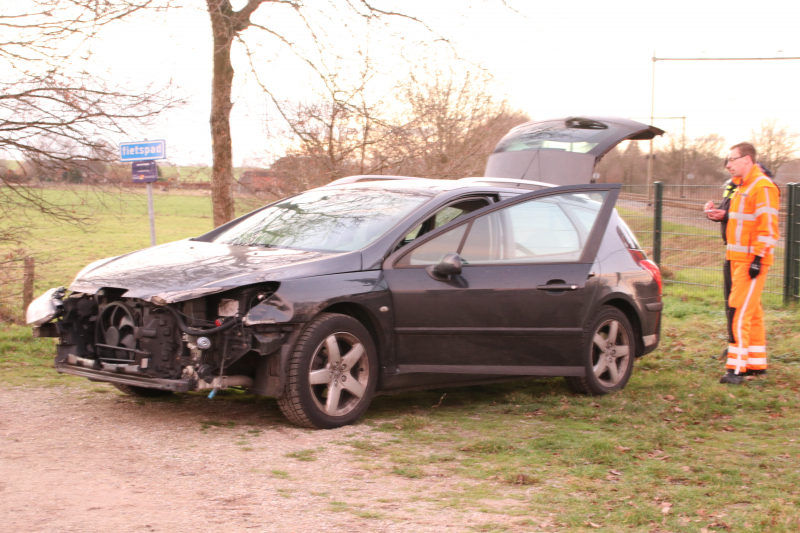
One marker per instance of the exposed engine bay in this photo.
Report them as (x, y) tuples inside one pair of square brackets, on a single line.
[(197, 344)]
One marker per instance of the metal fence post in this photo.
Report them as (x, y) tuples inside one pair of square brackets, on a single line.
[(27, 284), (790, 246), (657, 215)]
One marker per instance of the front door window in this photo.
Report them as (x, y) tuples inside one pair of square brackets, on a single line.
[(551, 229)]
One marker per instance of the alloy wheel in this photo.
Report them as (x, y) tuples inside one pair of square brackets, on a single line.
[(339, 374), (611, 351)]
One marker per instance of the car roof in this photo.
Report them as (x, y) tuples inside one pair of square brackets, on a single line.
[(441, 185)]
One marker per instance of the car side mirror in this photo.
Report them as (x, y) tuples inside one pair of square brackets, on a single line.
[(449, 266)]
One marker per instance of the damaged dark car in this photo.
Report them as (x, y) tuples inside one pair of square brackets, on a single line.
[(372, 284)]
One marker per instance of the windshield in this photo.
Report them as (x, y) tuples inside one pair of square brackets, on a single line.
[(338, 220)]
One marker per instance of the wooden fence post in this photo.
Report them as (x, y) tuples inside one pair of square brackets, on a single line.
[(27, 284)]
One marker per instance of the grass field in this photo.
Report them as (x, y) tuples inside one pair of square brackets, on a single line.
[(675, 451), (182, 173), (118, 224)]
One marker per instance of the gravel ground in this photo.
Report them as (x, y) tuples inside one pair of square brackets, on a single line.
[(81, 460)]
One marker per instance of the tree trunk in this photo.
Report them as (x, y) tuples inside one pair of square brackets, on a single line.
[(222, 26)]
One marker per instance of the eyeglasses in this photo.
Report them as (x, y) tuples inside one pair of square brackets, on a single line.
[(732, 159)]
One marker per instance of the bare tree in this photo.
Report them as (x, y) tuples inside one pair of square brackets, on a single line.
[(229, 25), (626, 166), (700, 156), (46, 33), (441, 125), (453, 123), (675, 161), (776, 145), (343, 130), (704, 159), (57, 118)]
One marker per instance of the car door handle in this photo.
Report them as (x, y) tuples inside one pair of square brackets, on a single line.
[(558, 287)]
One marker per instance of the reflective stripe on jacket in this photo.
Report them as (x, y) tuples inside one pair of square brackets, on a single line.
[(753, 219)]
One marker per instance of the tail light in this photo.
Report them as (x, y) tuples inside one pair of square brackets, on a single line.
[(651, 267), (654, 271)]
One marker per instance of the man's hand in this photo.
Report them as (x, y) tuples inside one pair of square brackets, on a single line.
[(713, 214), (755, 268)]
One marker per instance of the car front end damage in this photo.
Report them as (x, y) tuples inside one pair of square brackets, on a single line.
[(232, 338)]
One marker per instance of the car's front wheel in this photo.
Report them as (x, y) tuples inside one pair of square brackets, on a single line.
[(333, 372), (609, 354)]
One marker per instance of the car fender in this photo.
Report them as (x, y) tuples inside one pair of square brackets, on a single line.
[(299, 301), (633, 309)]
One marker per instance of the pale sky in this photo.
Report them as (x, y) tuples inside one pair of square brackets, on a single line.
[(550, 60)]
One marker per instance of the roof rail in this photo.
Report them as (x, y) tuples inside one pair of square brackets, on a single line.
[(518, 183), (368, 177)]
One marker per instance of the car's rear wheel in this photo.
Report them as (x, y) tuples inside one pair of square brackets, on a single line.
[(609, 353), (333, 372), (142, 392)]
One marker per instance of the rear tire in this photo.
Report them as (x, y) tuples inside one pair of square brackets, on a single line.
[(333, 372), (609, 353), (142, 392)]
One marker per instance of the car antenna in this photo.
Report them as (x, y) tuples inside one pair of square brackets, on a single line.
[(529, 165)]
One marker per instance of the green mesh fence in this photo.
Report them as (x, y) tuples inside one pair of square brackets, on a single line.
[(692, 252)]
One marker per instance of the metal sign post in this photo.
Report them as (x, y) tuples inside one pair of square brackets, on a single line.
[(145, 170)]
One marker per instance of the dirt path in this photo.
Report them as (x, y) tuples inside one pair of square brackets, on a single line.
[(88, 461)]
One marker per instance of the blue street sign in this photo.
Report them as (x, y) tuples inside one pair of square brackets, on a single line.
[(143, 151), (145, 172)]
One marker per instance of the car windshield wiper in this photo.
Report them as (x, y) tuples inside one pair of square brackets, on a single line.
[(259, 244)]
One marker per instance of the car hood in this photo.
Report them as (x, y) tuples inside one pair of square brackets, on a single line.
[(562, 151), (184, 270)]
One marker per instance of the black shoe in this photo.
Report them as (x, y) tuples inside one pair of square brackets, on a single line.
[(731, 379), (756, 373)]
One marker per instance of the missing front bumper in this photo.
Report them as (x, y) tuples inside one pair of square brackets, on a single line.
[(175, 385)]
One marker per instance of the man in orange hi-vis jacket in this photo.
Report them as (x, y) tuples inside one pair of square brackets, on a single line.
[(752, 234)]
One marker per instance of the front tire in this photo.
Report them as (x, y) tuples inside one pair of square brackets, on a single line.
[(609, 352), (333, 372)]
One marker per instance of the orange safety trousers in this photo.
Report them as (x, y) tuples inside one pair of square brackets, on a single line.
[(747, 350)]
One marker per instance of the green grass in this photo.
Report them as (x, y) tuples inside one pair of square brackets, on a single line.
[(674, 439), (303, 455), (206, 424), (118, 224), (337, 506), (28, 361), (692, 256)]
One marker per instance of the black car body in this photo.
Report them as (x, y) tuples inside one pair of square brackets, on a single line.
[(407, 284)]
